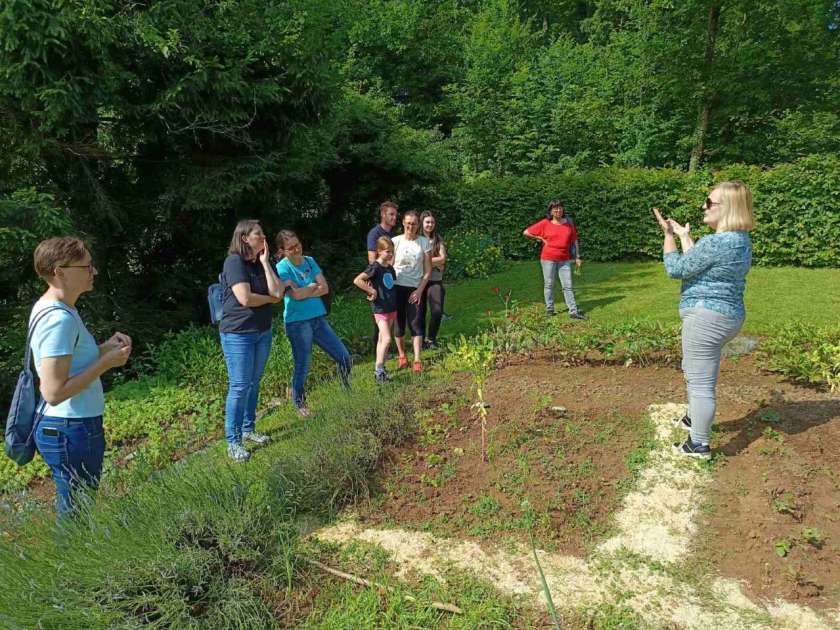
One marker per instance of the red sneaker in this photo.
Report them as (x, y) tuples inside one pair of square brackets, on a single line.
[(417, 367), (402, 363)]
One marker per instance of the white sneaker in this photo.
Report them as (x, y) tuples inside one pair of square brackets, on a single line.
[(238, 453), (255, 437)]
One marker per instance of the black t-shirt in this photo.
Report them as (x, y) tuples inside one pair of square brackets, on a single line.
[(373, 235), (382, 279), (235, 317)]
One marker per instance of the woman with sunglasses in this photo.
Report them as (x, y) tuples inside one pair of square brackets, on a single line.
[(69, 362), (713, 272)]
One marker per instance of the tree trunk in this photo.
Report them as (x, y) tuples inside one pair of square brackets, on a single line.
[(708, 93)]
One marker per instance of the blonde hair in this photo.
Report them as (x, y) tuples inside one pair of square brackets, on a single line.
[(383, 243), (736, 207)]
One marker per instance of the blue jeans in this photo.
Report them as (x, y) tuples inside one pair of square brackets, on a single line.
[(245, 357), (552, 269), (73, 448), (704, 333), (301, 336)]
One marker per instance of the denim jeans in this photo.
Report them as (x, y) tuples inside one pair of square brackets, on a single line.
[(73, 448), (301, 337), (552, 269), (704, 332), (245, 357)]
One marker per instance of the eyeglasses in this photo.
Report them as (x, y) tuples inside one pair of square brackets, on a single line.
[(709, 203)]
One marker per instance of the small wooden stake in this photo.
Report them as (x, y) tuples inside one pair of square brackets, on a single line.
[(363, 582)]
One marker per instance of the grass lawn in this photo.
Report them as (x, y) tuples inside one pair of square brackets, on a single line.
[(613, 292)]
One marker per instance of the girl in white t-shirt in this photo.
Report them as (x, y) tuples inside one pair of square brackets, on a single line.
[(413, 266)]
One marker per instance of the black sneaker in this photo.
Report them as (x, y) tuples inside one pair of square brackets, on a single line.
[(690, 449), (430, 344), (683, 423), (577, 315), (382, 377), (549, 313)]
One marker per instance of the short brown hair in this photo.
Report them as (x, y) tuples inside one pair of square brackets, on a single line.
[(385, 205), (57, 251), (237, 245)]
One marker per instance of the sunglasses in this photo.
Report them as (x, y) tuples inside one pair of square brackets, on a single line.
[(709, 203)]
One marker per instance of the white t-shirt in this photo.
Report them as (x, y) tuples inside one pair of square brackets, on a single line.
[(408, 259), (61, 333)]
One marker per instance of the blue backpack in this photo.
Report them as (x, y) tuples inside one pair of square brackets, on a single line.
[(23, 416), (216, 299)]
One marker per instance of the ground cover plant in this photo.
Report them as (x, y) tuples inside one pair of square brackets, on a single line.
[(202, 543), (175, 406), (580, 461)]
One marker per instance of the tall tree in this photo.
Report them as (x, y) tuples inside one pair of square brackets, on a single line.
[(708, 91)]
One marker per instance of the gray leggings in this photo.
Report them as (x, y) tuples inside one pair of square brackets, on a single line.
[(704, 333), (552, 270)]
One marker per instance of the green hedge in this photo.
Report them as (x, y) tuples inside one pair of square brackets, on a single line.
[(797, 208)]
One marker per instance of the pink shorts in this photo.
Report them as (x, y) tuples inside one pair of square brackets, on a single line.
[(385, 317)]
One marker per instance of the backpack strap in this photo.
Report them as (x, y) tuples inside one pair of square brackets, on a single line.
[(27, 355)]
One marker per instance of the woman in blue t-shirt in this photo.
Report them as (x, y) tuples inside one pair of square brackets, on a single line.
[(250, 288), (69, 362), (305, 316)]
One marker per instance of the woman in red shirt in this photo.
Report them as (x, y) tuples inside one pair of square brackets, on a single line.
[(560, 242)]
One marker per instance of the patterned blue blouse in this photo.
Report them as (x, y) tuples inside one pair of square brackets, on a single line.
[(713, 272)]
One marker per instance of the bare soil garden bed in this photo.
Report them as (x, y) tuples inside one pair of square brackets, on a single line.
[(776, 480)]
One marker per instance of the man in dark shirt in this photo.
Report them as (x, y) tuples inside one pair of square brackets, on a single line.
[(385, 227)]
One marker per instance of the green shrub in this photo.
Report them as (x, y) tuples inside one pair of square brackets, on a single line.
[(331, 464), (189, 551), (636, 341), (805, 353), (472, 253), (797, 209)]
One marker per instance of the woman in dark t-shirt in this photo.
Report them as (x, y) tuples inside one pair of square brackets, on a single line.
[(250, 287), (559, 237)]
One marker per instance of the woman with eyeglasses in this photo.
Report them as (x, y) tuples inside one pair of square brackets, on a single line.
[(69, 363), (305, 317), (713, 272)]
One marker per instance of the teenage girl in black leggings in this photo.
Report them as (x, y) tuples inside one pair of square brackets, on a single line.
[(435, 292)]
